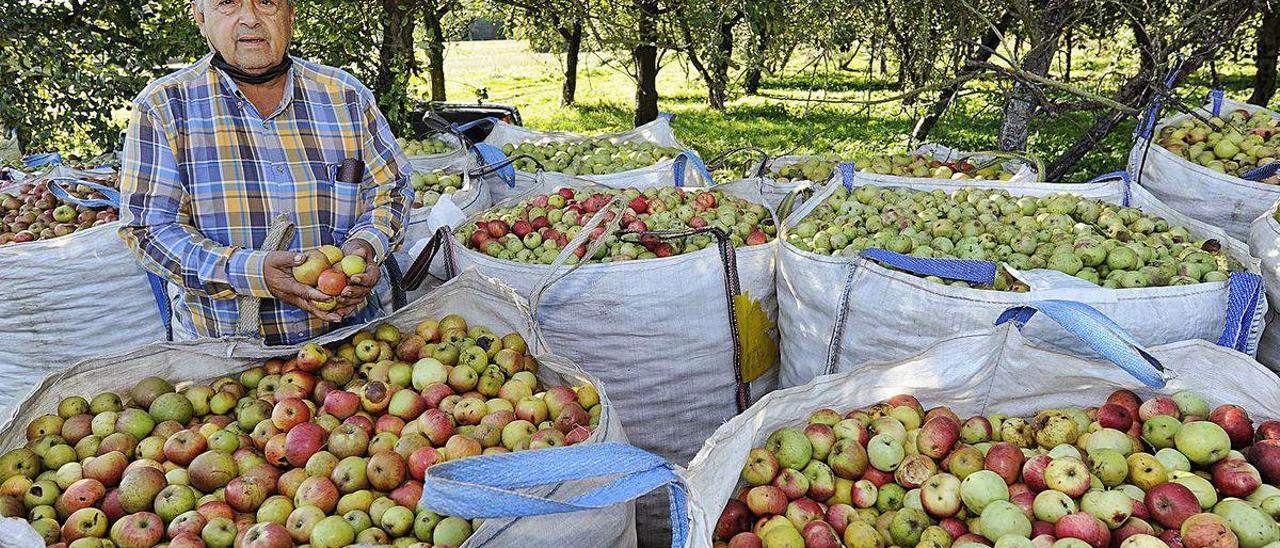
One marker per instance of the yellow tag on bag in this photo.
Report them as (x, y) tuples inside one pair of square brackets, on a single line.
[(759, 350)]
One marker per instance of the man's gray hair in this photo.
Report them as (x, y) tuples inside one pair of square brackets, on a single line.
[(201, 3)]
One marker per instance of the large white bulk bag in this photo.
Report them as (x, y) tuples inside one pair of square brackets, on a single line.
[(658, 132), (660, 332), (1218, 199), (992, 370), (1264, 243), (71, 297), (872, 312), (476, 298), (424, 221)]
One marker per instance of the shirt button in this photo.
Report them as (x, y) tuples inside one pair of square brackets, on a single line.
[(279, 168)]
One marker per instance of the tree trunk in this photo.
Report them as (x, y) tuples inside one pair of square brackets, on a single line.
[(395, 62), (435, 51), (645, 56), (1020, 107), (1071, 45), (990, 40), (1137, 92), (751, 80), (1264, 76), (572, 47), (717, 92)]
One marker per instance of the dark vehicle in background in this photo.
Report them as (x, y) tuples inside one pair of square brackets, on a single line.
[(461, 113)]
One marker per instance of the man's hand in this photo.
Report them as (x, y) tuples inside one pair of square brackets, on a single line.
[(359, 285), (278, 271)]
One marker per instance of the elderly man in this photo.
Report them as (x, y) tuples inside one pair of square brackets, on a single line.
[(219, 149)]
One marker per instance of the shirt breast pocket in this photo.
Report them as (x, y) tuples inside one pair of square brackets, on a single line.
[(344, 203)]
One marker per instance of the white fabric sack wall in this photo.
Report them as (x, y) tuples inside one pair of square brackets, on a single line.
[(1218, 199), (995, 370), (658, 332), (423, 221), (69, 298), (476, 298), (1264, 243), (873, 313)]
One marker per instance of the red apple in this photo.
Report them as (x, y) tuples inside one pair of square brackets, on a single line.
[(1171, 503), (303, 441), (1234, 477), (1114, 415), (1005, 459)]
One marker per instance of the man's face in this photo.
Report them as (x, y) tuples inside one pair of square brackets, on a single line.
[(252, 35)]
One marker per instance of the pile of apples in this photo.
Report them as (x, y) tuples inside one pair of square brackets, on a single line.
[(597, 156), (328, 448), (1236, 144), (426, 147), (429, 186), (922, 165), (1167, 472), (537, 229), (33, 213), (328, 269), (1102, 243), (815, 169)]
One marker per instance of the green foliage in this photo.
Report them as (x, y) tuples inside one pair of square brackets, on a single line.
[(68, 70)]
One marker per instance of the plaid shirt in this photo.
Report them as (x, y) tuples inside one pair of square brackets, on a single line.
[(204, 174)]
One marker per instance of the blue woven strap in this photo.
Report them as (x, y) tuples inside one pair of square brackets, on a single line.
[(487, 486), (847, 171), (1244, 289), (460, 128), (1260, 173), (1124, 178), (1215, 101), (112, 195), (666, 116), (1122, 175), (43, 159), (161, 294), (967, 270), (1148, 123), (491, 155), (684, 159), (1103, 335)]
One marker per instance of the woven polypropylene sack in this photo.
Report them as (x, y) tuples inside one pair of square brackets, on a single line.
[(1218, 199), (872, 313), (656, 331), (472, 197), (476, 298), (1264, 243), (978, 373), (69, 298), (659, 132), (1022, 172)]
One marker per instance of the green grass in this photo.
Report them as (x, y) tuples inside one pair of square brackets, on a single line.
[(513, 74)]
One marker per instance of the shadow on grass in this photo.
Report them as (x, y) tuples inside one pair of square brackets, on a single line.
[(835, 82)]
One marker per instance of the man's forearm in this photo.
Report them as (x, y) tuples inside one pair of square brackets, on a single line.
[(197, 264)]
